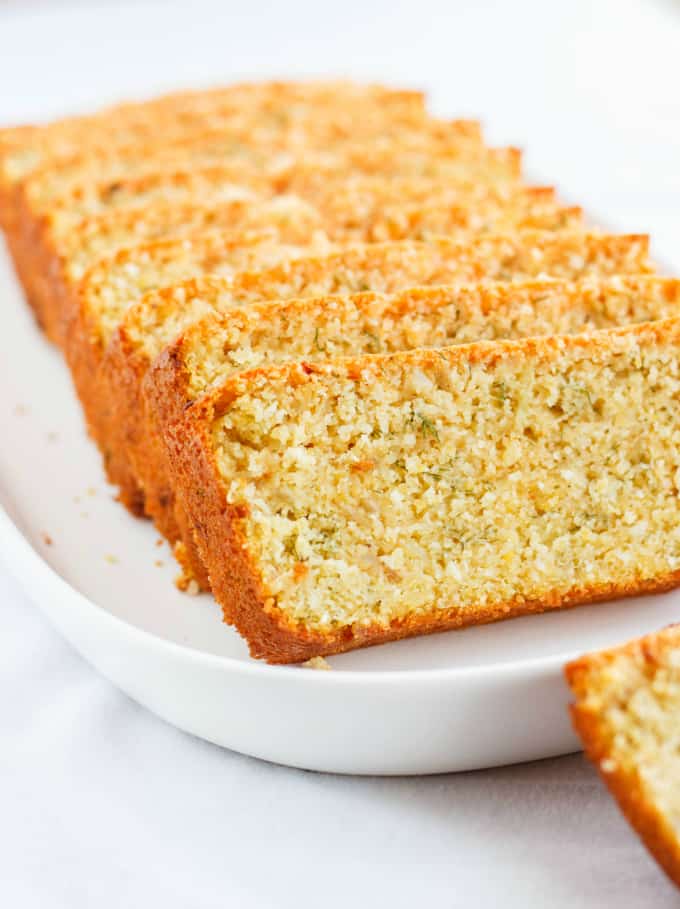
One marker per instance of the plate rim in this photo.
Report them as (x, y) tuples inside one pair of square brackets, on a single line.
[(19, 557)]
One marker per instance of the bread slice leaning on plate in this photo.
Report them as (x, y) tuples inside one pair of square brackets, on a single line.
[(627, 713)]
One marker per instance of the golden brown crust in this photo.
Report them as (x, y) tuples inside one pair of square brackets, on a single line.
[(124, 369), (625, 784)]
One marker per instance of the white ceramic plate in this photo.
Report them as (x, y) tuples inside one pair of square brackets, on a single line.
[(461, 700)]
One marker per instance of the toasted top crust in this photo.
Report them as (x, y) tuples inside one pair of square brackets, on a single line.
[(160, 316), (223, 180), (251, 139), (24, 148), (326, 327)]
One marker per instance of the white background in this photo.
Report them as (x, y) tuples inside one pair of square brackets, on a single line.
[(101, 803)]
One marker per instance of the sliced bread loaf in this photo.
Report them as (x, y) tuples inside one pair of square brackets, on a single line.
[(113, 285), (252, 139), (37, 239), (25, 148), (360, 209), (98, 196), (160, 317)]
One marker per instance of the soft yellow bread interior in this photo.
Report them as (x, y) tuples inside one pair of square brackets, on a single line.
[(474, 477)]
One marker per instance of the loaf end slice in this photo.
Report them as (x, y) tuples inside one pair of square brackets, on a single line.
[(627, 713)]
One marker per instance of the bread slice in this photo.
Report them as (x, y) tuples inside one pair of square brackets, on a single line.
[(220, 345), (627, 713), (160, 317), (366, 499)]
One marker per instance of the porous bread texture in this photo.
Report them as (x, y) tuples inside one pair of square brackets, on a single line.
[(365, 499), (109, 287), (240, 339), (98, 238), (354, 210), (387, 267), (114, 284), (23, 149), (627, 713), (156, 320)]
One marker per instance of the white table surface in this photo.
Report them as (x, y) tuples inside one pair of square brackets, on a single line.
[(102, 804)]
